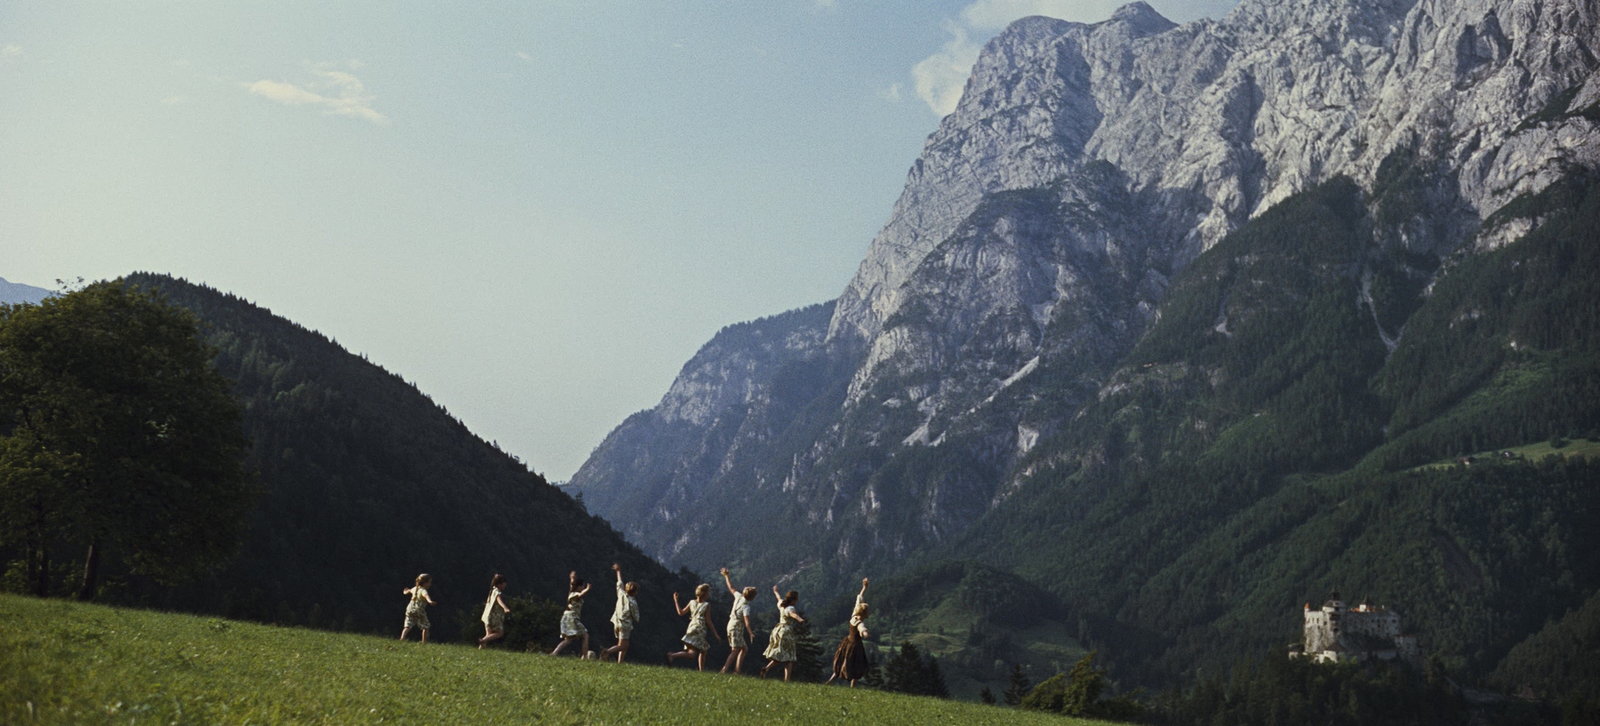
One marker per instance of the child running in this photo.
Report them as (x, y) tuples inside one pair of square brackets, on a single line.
[(781, 646), (624, 617), (417, 609), (571, 626), (494, 612), (739, 630), (694, 640), (850, 660)]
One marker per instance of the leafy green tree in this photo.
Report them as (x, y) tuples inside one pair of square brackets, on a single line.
[(1078, 693), (120, 438), (986, 695)]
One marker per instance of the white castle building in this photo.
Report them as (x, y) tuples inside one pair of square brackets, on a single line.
[(1335, 633)]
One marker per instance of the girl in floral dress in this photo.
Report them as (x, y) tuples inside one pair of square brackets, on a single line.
[(571, 625), (417, 609), (850, 660), (494, 612), (694, 639), (781, 646), (624, 617), (739, 630)]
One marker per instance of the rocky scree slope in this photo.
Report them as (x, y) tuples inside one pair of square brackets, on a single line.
[(1040, 233)]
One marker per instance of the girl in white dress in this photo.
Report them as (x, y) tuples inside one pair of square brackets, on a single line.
[(694, 639), (571, 623), (494, 612), (781, 646), (417, 609), (739, 630), (624, 617)]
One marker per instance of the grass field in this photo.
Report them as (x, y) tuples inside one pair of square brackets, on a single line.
[(63, 662)]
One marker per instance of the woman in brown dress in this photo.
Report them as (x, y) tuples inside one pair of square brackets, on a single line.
[(850, 660)]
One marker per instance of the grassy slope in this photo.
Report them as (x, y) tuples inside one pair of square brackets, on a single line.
[(1532, 452), (79, 664)]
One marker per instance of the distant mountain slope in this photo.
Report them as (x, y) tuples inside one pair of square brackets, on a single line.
[(369, 482), (1157, 300), (12, 293)]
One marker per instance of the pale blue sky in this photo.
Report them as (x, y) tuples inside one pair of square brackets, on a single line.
[(536, 210)]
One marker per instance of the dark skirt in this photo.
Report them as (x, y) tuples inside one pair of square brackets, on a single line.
[(850, 660)]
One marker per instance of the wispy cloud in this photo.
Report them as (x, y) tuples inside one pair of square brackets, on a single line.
[(11, 50), (336, 92), (891, 94), (525, 56), (941, 77)]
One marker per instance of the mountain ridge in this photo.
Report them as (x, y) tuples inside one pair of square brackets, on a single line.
[(1000, 335)]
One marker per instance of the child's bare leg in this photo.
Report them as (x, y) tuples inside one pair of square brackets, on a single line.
[(585, 652), (404, 632), (561, 646), (424, 635), (786, 668), (490, 636)]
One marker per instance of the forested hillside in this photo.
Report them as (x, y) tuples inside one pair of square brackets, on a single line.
[(1262, 446), (367, 482)]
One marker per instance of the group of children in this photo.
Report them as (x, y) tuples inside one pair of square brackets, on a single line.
[(849, 660)]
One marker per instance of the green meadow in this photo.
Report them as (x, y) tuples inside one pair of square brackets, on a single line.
[(63, 662)]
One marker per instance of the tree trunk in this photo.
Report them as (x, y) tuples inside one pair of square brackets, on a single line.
[(39, 571), (91, 571)]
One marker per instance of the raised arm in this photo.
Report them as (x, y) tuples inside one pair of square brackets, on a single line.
[(863, 594), (617, 569), (682, 609), (778, 595), (729, 583), (585, 590)]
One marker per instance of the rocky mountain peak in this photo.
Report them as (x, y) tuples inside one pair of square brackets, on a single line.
[(1142, 18)]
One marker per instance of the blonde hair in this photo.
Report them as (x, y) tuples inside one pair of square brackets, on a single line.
[(631, 588), (702, 590), (862, 610), (423, 579)]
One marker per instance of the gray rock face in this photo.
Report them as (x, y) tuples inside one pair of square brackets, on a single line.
[(1084, 166)]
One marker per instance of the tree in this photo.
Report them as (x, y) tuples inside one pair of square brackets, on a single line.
[(808, 665), (120, 438), (903, 672), (910, 672), (874, 678), (986, 695), (1020, 685), (1078, 694)]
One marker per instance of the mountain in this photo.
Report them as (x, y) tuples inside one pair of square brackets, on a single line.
[(1167, 319), (12, 293), (368, 482)]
